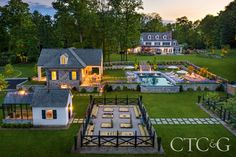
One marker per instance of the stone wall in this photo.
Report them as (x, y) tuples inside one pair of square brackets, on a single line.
[(121, 86), (202, 86), (58, 83), (160, 89)]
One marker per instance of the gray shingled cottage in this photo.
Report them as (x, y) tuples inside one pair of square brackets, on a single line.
[(71, 67), (41, 107)]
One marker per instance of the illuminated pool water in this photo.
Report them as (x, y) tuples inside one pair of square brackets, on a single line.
[(154, 80)]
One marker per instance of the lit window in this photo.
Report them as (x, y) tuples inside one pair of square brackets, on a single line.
[(64, 59), (54, 75), (74, 75), (49, 114)]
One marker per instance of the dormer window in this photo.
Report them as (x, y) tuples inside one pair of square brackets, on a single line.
[(64, 59), (157, 37), (164, 37), (149, 37)]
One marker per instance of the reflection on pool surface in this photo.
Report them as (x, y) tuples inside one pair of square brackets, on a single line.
[(152, 80)]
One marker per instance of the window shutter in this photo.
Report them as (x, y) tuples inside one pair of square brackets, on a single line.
[(49, 75), (70, 75), (77, 75), (54, 114), (57, 75), (43, 114)]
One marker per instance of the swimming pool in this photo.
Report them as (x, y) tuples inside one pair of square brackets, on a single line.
[(154, 80)]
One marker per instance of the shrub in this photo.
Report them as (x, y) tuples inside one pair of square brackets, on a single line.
[(138, 88), (118, 88), (220, 88), (110, 89), (206, 89), (15, 125), (95, 89), (199, 88), (125, 88), (83, 90), (9, 69), (190, 90)]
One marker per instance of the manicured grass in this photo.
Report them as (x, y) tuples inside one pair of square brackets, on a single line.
[(27, 70), (168, 132), (224, 67), (26, 143), (20, 70), (114, 73), (168, 105)]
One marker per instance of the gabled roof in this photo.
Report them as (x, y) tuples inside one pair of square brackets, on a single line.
[(77, 58), (50, 98), (153, 35), (14, 97)]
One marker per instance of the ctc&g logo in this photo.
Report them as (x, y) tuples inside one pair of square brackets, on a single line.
[(202, 144)]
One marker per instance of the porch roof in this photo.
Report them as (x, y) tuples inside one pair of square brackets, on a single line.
[(15, 98)]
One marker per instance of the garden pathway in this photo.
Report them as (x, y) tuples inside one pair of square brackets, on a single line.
[(191, 121), (173, 121)]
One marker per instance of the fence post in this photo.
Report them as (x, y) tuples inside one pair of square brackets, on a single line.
[(135, 139), (229, 114), (117, 138), (90, 99), (99, 139), (104, 100), (158, 144), (81, 139), (75, 141), (199, 99), (116, 100), (224, 114), (153, 139), (221, 108), (127, 100)]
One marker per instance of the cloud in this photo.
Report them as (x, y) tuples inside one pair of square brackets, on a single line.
[(46, 3), (34, 3)]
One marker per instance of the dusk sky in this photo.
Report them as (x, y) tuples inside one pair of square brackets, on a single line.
[(168, 9)]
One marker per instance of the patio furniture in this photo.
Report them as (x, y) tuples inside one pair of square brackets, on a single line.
[(123, 109), (94, 111), (143, 130), (125, 116), (108, 109), (107, 115), (137, 112)]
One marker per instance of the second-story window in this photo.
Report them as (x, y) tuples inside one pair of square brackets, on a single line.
[(74, 75), (149, 37), (54, 75)]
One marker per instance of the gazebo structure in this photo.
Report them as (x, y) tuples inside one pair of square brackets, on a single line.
[(17, 107)]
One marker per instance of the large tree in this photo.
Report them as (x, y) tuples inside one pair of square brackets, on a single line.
[(22, 33)]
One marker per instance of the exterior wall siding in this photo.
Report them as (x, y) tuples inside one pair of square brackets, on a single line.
[(62, 115), (64, 78)]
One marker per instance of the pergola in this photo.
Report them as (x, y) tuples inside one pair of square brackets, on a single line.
[(17, 106)]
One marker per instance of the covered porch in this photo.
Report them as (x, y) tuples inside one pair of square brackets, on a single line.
[(91, 76), (16, 107)]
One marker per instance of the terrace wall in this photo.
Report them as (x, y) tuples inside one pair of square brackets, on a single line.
[(121, 86), (160, 89), (202, 86)]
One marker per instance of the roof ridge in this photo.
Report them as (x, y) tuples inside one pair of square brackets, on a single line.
[(77, 57)]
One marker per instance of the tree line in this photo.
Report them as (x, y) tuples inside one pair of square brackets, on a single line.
[(113, 25)]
